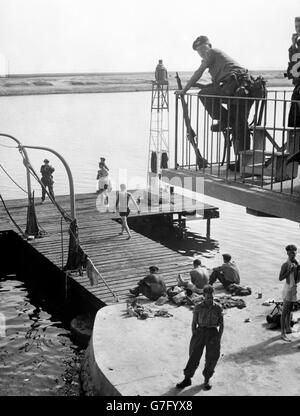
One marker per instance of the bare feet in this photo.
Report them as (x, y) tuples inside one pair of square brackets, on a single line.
[(285, 338), (121, 233), (129, 237), (289, 331)]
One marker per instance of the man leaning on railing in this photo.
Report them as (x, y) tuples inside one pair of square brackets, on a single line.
[(228, 79)]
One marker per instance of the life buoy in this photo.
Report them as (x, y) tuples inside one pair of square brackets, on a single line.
[(153, 162)]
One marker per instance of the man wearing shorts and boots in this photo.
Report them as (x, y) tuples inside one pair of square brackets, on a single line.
[(290, 273)]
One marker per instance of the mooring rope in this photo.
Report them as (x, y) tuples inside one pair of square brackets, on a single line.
[(19, 186), (66, 283), (62, 243), (11, 218), (111, 291)]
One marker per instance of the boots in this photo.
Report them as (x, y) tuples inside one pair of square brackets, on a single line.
[(184, 383)]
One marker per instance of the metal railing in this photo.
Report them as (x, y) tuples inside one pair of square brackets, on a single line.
[(253, 144)]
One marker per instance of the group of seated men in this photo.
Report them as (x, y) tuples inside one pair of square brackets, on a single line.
[(153, 285)]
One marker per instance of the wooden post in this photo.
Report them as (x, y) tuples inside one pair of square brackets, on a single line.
[(208, 228)]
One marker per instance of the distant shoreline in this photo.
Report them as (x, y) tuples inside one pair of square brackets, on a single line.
[(37, 84)]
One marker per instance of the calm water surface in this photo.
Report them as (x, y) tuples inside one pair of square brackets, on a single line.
[(37, 356), (81, 127)]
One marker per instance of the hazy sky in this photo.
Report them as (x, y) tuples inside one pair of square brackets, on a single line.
[(131, 35)]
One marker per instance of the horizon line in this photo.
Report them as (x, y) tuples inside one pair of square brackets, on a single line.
[(53, 74)]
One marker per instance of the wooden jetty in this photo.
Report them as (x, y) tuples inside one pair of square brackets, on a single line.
[(121, 263)]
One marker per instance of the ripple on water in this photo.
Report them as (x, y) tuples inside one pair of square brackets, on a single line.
[(37, 356)]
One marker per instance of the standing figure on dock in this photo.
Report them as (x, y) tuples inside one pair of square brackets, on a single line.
[(47, 179), (228, 79), (102, 164), (207, 318), (122, 202), (227, 274), (293, 72), (290, 273), (104, 181)]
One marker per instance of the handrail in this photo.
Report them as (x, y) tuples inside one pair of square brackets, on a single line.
[(272, 133), (21, 149), (267, 99)]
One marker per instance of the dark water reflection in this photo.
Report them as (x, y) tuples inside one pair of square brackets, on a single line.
[(37, 356)]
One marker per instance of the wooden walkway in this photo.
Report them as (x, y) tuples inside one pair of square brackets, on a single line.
[(121, 262)]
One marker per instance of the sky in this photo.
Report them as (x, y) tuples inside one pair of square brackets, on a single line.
[(50, 36)]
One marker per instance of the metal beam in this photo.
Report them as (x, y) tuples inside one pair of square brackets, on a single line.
[(273, 203)]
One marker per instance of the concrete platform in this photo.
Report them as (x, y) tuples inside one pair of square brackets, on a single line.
[(132, 357), (141, 357)]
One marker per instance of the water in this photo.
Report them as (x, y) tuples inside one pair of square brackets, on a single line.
[(81, 127), (37, 356)]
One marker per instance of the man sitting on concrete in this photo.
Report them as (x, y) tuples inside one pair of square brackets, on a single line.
[(199, 274), (227, 274), (152, 286), (199, 278)]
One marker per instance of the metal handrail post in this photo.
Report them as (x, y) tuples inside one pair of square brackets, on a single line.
[(27, 161)]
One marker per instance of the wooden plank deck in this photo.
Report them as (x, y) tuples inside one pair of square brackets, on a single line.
[(121, 262)]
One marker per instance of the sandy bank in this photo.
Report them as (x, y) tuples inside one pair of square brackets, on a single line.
[(103, 83)]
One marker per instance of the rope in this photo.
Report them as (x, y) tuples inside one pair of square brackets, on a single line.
[(111, 291), (66, 284), (62, 243), (19, 186), (42, 230), (11, 218)]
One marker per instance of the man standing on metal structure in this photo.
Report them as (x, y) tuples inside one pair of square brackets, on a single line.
[(161, 73), (208, 316), (47, 179), (228, 79)]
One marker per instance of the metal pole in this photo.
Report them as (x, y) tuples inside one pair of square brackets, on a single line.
[(27, 161), (71, 182), (176, 130)]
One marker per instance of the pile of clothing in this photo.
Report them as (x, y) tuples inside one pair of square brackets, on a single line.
[(177, 295), (144, 311), (180, 296), (227, 301), (238, 290)]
